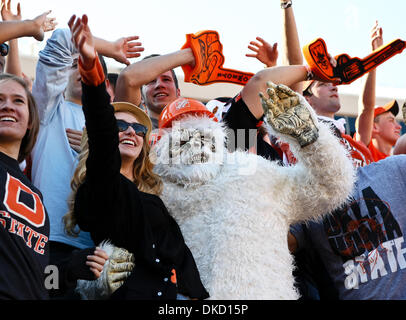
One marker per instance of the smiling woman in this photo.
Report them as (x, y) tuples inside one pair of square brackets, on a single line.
[(24, 224), (116, 194), (19, 121)]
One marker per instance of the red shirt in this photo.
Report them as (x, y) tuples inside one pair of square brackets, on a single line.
[(376, 154), (360, 154)]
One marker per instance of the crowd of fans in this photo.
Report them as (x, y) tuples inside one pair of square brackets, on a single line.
[(77, 169)]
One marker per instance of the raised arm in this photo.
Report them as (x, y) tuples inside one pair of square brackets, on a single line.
[(54, 67), (291, 50), (324, 175), (133, 77), (366, 103), (287, 75), (102, 134), (13, 64), (120, 50), (26, 28)]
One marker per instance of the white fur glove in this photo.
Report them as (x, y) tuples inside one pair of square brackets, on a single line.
[(287, 113)]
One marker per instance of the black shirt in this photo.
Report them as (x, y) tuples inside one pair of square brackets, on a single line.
[(239, 117), (110, 206), (24, 232)]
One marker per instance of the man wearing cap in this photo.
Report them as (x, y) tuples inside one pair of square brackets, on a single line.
[(385, 130), (376, 126), (378, 129), (324, 99)]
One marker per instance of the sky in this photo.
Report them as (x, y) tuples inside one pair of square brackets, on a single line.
[(345, 26)]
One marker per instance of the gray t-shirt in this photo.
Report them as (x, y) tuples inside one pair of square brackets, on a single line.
[(362, 244)]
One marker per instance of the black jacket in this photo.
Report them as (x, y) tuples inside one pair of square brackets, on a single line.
[(110, 206)]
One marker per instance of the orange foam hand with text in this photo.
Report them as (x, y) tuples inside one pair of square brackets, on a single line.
[(348, 69), (209, 60)]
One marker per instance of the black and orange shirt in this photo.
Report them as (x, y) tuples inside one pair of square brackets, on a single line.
[(360, 154), (24, 232)]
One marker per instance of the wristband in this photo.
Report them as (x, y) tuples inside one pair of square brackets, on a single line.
[(286, 4)]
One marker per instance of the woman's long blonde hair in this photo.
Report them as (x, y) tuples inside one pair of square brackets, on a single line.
[(144, 177)]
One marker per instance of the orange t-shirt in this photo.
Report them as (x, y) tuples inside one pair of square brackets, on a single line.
[(376, 154)]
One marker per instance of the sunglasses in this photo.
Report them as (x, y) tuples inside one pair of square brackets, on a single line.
[(4, 49), (140, 130)]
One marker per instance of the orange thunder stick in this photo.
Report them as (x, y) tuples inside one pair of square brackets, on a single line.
[(348, 69)]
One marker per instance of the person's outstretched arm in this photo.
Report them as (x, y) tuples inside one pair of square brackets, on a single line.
[(27, 28), (366, 103), (287, 75), (120, 50), (133, 77), (291, 50), (13, 64)]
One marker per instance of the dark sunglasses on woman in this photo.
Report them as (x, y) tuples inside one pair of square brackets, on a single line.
[(140, 130)]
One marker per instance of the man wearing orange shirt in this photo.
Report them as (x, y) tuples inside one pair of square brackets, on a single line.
[(385, 130)]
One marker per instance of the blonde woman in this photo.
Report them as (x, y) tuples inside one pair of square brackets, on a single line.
[(117, 194)]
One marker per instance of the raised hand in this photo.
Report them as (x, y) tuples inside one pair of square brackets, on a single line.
[(264, 52), (126, 48), (6, 13), (49, 24), (83, 39), (43, 24), (376, 36), (288, 113)]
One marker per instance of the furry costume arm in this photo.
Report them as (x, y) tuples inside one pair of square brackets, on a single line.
[(324, 175), (115, 271)]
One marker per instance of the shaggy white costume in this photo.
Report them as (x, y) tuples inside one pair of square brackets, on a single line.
[(235, 209), (236, 225)]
